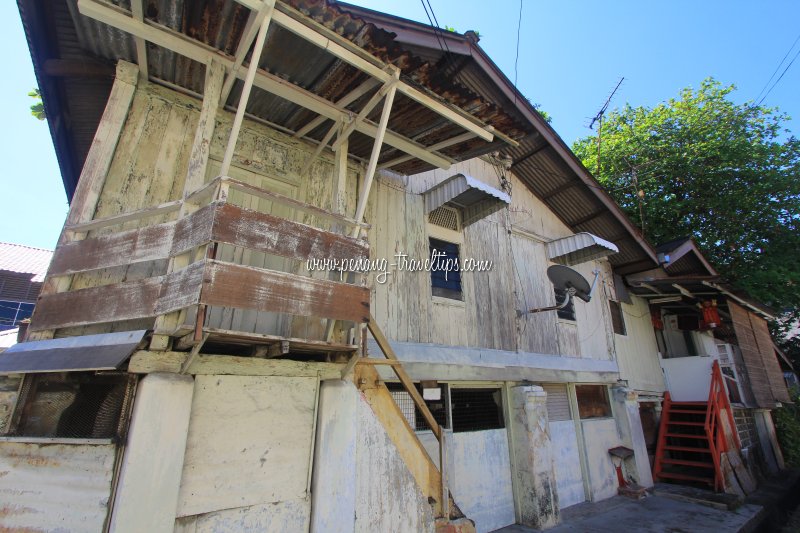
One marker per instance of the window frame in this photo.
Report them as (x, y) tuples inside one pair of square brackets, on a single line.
[(615, 309), (608, 412)]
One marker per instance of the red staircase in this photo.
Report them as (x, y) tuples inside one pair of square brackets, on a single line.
[(692, 437)]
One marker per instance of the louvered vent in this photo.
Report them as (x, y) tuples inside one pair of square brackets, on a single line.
[(557, 402), (446, 217)]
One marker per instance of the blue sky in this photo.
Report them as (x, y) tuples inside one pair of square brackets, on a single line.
[(571, 55)]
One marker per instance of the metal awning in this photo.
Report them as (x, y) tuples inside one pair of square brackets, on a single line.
[(579, 248), (106, 351), (475, 199)]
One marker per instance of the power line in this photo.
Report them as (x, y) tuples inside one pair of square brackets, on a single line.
[(516, 58), (779, 77), (789, 51)]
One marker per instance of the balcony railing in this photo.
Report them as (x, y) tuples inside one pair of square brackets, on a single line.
[(207, 282)]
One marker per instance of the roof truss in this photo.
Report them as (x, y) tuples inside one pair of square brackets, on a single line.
[(315, 33)]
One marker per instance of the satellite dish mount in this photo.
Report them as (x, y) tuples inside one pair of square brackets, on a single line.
[(571, 283)]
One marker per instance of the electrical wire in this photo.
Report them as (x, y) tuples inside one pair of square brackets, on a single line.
[(780, 77), (516, 58), (789, 51)]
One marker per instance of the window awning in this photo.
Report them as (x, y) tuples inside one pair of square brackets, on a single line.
[(579, 248), (88, 352), (475, 199)]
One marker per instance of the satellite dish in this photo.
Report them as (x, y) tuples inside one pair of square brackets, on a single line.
[(571, 283), (565, 278)]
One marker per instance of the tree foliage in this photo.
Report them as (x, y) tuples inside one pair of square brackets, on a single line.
[(726, 174), (37, 109)]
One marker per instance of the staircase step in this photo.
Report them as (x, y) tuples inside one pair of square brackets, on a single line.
[(683, 462), (687, 411), (686, 436), (687, 449), (704, 404), (686, 477), (683, 423)]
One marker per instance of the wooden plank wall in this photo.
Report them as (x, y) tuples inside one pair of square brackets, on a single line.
[(406, 311)]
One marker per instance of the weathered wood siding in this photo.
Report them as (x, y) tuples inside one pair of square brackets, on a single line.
[(515, 240)]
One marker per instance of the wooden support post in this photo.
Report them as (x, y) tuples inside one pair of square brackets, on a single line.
[(254, 23), (95, 170), (248, 86), (195, 176), (402, 375), (320, 147), (376, 152), (369, 106), (141, 47), (346, 100)]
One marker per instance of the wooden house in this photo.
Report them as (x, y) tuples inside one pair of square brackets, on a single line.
[(238, 329)]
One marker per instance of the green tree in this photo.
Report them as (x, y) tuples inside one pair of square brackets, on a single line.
[(37, 109), (726, 174)]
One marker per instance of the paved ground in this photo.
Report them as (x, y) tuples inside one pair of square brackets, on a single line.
[(654, 514)]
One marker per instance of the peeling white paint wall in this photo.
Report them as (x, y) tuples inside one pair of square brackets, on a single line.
[(54, 487), (360, 482), (247, 454), (637, 352), (569, 477), (599, 436), (480, 478)]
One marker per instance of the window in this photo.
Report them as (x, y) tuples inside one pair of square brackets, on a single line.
[(413, 415), (12, 313), (593, 401), (445, 274), (557, 402), (617, 318), (568, 312), (73, 405), (476, 409)]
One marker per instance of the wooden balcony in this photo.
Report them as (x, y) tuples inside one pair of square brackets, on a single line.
[(207, 220)]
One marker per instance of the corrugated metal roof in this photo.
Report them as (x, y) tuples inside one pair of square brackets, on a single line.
[(25, 260), (476, 199), (579, 248)]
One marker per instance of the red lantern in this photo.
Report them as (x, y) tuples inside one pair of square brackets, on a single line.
[(655, 318), (710, 314)]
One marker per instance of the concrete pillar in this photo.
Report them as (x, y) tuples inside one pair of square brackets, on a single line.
[(630, 427), (152, 466), (534, 468), (773, 457), (333, 485)]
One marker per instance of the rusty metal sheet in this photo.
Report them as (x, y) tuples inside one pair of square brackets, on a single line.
[(87, 352), (243, 287), (54, 487)]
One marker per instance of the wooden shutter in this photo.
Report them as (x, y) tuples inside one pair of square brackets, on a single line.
[(557, 402), (766, 378)]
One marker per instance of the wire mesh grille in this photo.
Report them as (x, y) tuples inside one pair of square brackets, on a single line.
[(445, 217), (413, 415), (476, 409), (78, 405)]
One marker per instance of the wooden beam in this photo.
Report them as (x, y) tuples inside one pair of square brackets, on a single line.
[(530, 154), (254, 22), (458, 139), (369, 106), (141, 47), (346, 100), (269, 234), (93, 175), (561, 188), (146, 362), (346, 51), (243, 287), (193, 355), (115, 220), (373, 158), (589, 217), (377, 362), (320, 147), (402, 375), (271, 83), (245, 96)]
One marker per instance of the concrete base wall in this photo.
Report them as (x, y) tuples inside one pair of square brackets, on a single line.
[(359, 481)]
